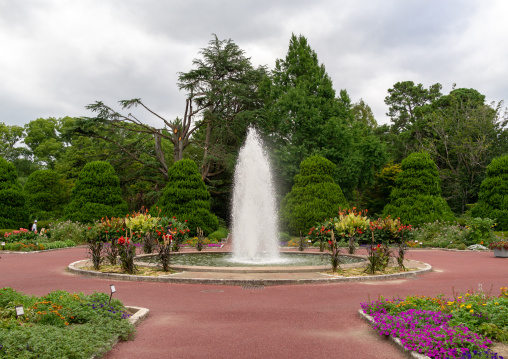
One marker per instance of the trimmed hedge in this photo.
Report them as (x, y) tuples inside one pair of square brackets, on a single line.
[(186, 198), (96, 194), (493, 196), (314, 197), (416, 198), (45, 194), (13, 209)]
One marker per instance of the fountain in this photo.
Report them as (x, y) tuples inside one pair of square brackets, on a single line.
[(254, 214)]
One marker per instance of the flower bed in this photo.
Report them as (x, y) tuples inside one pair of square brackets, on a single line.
[(440, 328), (60, 325)]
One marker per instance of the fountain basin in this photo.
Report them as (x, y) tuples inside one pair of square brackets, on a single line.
[(321, 260)]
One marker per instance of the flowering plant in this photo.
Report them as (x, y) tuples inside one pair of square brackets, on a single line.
[(499, 245), (21, 235)]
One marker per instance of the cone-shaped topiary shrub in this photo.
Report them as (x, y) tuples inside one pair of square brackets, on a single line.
[(46, 195), (416, 198), (314, 197), (13, 209), (96, 194), (186, 198), (493, 195)]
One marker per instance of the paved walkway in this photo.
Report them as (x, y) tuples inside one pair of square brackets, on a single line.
[(288, 321)]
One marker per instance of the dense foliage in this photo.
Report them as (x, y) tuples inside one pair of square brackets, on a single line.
[(185, 197), (314, 197), (96, 194), (13, 209), (493, 197), (300, 114), (46, 194), (416, 198)]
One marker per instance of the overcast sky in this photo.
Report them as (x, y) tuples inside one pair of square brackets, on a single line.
[(58, 56)]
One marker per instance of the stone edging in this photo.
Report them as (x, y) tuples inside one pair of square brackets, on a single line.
[(395, 340), (139, 314), (28, 252), (74, 268)]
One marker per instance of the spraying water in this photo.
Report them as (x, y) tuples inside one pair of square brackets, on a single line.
[(254, 214)]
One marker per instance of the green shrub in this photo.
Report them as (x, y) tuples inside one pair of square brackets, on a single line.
[(416, 198), (46, 195), (314, 197), (284, 237), (96, 194), (493, 195), (13, 209), (67, 230), (220, 233), (186, 198), (481, 230)]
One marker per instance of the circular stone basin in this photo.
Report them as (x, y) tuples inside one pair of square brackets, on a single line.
[(222, 262)]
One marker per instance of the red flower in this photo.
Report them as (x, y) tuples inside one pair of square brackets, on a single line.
[(330, 242)]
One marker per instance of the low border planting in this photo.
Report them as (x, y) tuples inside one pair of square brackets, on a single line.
[(464, 326), (60, 325)]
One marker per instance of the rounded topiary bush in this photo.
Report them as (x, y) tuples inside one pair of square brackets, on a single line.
[(186, 198), (13, 209), (314, 197), (46, 195), (96, 194), (493, 195), (416, 198)]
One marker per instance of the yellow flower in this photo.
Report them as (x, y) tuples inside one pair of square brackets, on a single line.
[(484, 304), (462, 305), (467, 294), (469, 306), (460, 297), (450, 303), (496, 303), (471, 311)]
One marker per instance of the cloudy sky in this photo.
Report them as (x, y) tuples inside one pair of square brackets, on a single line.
[(58, 56)]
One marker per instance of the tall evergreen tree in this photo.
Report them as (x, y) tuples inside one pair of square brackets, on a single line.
[(304, 116), (493, 197), (314, 197), (46, 194), (13, 209), (186, 198), (96, 194), (416, 198)]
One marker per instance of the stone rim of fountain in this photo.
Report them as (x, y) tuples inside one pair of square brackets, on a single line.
[(264, 269)]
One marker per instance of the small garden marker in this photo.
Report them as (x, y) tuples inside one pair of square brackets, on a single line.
[(19, 311), (113, 290)]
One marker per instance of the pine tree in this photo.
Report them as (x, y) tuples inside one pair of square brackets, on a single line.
[(13, 209), (46, 194), (416, 198), (493, 197), (314, 197), (96, 194), (186, 198)]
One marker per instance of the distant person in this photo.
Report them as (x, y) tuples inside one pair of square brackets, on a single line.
[(34, 226)]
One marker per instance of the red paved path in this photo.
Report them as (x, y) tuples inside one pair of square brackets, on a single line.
[(293, 321)]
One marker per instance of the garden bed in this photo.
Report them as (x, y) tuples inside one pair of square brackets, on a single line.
[(444, 328), (63, 325)]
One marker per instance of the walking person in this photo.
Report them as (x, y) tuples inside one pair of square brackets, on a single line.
[(34, 226)]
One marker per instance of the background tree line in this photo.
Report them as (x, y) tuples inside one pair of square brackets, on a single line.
[(300, 114)]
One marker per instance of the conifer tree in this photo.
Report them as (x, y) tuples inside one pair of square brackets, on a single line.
[(96, 194), (493, 197), (416, 198), (314, 197), (186, 198), (13, 209), (46, 194)]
